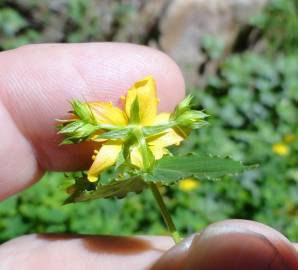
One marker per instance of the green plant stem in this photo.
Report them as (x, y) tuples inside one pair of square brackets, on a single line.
[(165, 213)]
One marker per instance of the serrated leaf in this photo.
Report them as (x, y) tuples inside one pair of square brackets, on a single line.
[(115, 189), (81, 185), (173, 168)]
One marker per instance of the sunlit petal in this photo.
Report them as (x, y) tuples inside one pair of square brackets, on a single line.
[(106, 113), (158, 152), (167, 138), (145, 90), (161, 118), (106, 157)]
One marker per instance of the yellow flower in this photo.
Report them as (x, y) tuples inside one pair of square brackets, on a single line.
[(188, 184), (144, 93), (280, 149), (289, 138)]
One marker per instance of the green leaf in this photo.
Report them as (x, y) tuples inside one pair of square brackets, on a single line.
[(81, 185), (173, 168), (115, 189)]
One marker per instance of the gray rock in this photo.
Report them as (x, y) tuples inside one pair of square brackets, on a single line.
[(187, 23)]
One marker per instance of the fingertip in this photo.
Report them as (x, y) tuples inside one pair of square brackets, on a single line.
[(240, 244), (233, 245)]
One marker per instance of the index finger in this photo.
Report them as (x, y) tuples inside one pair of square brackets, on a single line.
[(36, 83)]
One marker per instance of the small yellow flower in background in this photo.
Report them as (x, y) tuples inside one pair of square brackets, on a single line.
[(280, 149), (289, 138), (188, 184)]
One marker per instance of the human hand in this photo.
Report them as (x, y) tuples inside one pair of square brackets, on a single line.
[(35, 82)]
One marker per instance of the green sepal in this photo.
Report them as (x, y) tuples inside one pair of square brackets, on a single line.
[(147, 155), (185, 117), (135, 112), (192, 119), (77, 131), (155, 130), (82, 111), (171, 169), (121, 133), (115, 189), (182, 107)]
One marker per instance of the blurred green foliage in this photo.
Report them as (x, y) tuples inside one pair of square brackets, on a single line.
[(253, 100), (279, 22), (254, 105)]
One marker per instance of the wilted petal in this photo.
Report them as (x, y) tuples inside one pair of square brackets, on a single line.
[(106, 157), (145, 91), (106, 113)]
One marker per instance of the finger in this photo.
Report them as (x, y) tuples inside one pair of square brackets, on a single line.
[(36, 84), (234, 244), (176, 257), (54, 252)]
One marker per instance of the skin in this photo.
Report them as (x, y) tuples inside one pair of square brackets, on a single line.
[(35, 83)]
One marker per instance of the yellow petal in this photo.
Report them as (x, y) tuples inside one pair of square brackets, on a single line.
[(106, 113), (167, 138), (158, 152), (145, 91), (161, 118), (106, 157), (136, 157)]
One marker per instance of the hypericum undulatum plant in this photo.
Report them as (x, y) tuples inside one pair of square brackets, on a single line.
[(131, 147)]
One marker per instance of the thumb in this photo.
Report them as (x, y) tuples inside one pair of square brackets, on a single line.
[(232, 244)]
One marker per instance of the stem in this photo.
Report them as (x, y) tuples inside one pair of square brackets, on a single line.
[(165, 213)]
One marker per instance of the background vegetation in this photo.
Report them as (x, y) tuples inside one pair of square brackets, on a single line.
[(253, 100)]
